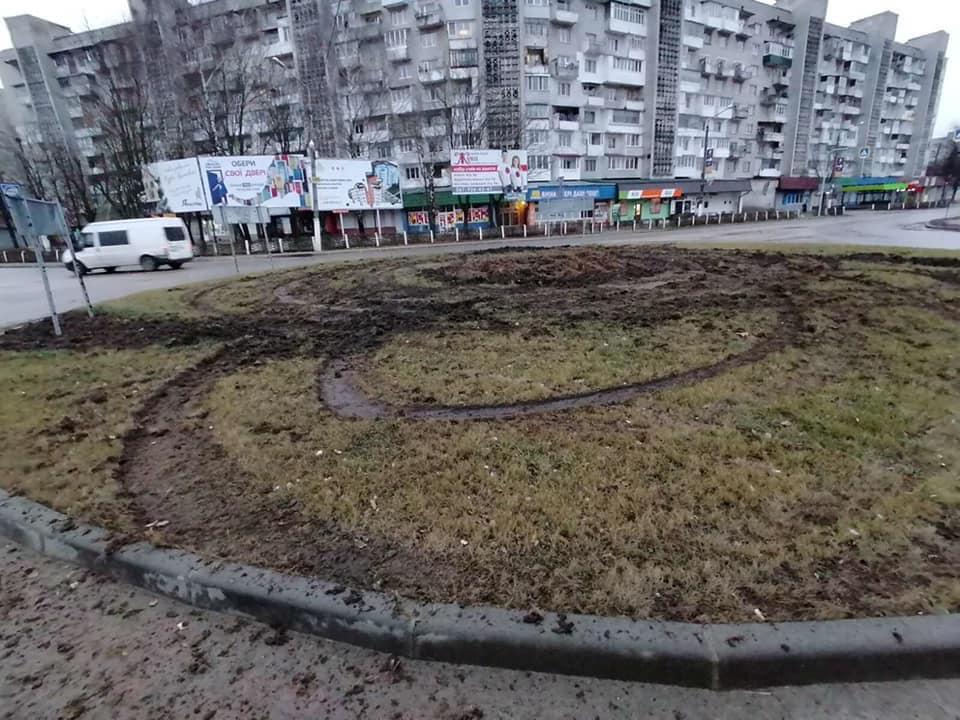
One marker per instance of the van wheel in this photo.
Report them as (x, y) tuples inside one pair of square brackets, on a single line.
[(81, 268), (110, 269), (175, 264), (148, 263)]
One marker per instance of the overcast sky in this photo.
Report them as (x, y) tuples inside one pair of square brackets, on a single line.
[(917, 17)]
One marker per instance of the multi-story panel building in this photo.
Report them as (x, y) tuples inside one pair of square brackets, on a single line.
[(620, 89)]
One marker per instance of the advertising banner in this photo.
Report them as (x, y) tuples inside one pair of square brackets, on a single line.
[(488, 171), (358, 185), (270, 180), (175, 185)]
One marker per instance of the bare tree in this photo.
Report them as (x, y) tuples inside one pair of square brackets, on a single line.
[(442, 117), (281, 127), (122, 111)]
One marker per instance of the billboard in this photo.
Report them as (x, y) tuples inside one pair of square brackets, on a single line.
[(488, 171), (357, 185), (175, 185), (270, 180)]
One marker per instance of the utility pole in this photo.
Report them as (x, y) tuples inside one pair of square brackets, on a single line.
[(312, 147)]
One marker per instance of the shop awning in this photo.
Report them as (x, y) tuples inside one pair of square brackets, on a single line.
[(679, 188), (798, 183), (445, 198), (880, 187), (595, 191)]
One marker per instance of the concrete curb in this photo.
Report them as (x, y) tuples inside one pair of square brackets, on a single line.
[(944, 224), (708, 656)]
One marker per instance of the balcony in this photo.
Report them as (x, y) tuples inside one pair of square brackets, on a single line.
[(564, 70), (856, 75), (366, 32), (622, 27), (464, 73), (915, 86), (769, 136), (367, 7), (394, 3), (595, 47), (434, 75), (847, 109), (429, 17), (741, 73), (743, 30), (398, 54), (462, 43), (562, 16), (561, 122), (769, 172), (777, 55), (723, 70), (707, 67), (693, 41)]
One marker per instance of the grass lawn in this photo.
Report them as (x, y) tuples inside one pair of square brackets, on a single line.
[(64, 415), (818, 479)]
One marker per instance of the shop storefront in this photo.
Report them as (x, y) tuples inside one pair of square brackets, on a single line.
[(797, 193), (645, 203), (453, 211), (555, 203), (857, 192)]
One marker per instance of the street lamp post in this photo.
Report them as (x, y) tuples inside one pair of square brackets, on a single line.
[(312, 147), (706, 144)]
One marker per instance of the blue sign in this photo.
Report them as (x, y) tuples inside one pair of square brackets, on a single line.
[(10, 189), (553, 192)]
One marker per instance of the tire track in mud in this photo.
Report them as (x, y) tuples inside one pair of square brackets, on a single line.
[(340, 393), (175, 472)]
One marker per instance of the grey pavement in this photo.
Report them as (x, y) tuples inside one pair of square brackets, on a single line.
[(22, 298), (75, 645)]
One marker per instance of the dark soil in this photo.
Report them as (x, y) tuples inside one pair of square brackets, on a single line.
[(173, 469)]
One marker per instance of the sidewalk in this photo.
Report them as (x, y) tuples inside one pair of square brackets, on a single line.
[(77, 645)]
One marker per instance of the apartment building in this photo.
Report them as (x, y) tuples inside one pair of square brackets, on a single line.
[(621, 89)]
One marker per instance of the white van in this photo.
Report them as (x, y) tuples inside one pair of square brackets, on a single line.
[(147, 242)]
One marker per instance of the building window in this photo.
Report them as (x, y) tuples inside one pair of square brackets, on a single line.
[(461, 3), (565, 35), (538, 112), (632, 163), (403, 71), (590, 165), (569, 163), (413, 173), (406, 145), (707, 37), (395, 38), (628, 13), (709, 100), (400, 95), (625, 117), (611, 142), (538, 83), (536, 137), (745, 167), (724, 41), (596, 138), (398, 17), (535, 29), (464, 58), (589, 116), (741, 45), (428, 40), (616, 162), (460, 29), (628, 64), (564, 139), (539, 3), (633, 140), (590, 65), (594, 11), (538, 162), (565, 89)]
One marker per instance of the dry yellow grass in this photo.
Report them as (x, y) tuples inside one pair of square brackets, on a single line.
[(535, 359), (62, 415), (743, 491)]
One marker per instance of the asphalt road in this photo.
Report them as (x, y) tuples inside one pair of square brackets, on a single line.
[(75, 645), (22, 297)]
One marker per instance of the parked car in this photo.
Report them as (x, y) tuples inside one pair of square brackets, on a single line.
[(147, 242)]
